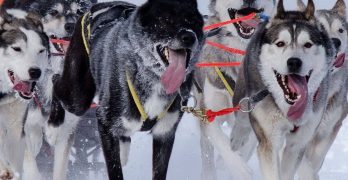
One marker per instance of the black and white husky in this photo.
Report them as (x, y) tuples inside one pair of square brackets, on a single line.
[(150, 49), (285, 74), (59, 18), (335, 22), (23, 48)]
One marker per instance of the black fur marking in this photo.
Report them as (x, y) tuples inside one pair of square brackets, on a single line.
[(2, 95), (57, 114)]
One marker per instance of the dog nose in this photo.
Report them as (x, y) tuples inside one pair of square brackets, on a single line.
[(294, 65), (337, 43), (69, 27), (34, 73), (187, 38)]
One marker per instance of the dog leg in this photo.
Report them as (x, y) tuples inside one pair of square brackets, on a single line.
[(33, 138), (233, 160), (242, 137), (291, 159), (162, 149), (208, 157), (61, 158), (125, 143), (315, 155)]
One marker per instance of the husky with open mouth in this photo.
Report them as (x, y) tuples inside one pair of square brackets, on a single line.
[(285, 80), (59, 18), (139, 63), (23, 48), (335, 22), (214, 95)]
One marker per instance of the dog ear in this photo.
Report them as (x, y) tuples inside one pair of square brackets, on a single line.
[(35, 18), (301, 5), (310, 10), (280, 10), (4, 16), (340, 8)]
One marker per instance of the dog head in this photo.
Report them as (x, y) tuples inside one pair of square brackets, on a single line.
[(23, 48), (294, 59), (226, 10), (173, 36), (335, 23), (59, 18)]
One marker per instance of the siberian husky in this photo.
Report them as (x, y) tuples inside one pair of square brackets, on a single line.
[(335, 22), (59, 18), (23, 48), (214, 95), (144, 53), (285, 74)]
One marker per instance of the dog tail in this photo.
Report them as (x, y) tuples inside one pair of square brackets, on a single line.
[(75, 88)]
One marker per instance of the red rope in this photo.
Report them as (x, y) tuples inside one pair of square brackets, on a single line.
[(60, 41), (218, 64), (1, 2), (213, 26), (211, 115), (228, 49)]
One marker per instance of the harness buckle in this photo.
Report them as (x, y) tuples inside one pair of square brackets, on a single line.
[(246, 105)]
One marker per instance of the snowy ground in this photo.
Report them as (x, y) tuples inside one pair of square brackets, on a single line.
[(185, 163)]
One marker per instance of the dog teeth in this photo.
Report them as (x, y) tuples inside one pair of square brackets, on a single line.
[(166, 53)]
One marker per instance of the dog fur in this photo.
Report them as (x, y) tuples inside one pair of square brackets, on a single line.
[(172, 26), (214, 96), (59, 18), (335, 22), (292, 44), (23, 46)]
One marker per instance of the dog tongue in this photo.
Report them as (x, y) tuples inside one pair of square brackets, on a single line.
[(175, 72), (298, 85), (22, 86), (340, 60), (251, 23)]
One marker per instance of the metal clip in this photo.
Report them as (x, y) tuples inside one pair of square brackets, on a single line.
[(201, 114), (246, 105)]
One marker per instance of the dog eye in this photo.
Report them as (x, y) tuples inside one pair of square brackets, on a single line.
[(41, 51), (53, 12), (17, 49), (308, 45), (280, 44), (341, 30)]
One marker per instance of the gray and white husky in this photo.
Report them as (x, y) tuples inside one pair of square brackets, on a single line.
[(151, 49), (59, 18), (335, 22), (214, 94), (285, 74), (23, 48)]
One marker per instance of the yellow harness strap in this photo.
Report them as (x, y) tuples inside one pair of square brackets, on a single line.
[(84, 37), (223, 79), (137, 101)]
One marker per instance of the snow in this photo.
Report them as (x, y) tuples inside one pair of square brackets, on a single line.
[(185, 163)]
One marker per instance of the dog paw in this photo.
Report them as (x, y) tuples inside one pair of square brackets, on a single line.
[(6, 175), (238, 140)]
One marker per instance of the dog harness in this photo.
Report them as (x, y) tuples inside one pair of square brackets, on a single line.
[(137, 102), (86, 31)]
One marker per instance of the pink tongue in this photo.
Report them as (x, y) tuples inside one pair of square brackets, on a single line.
[(298, 85), (252, 23), (21, 86), (340, 60), (175, 72)]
